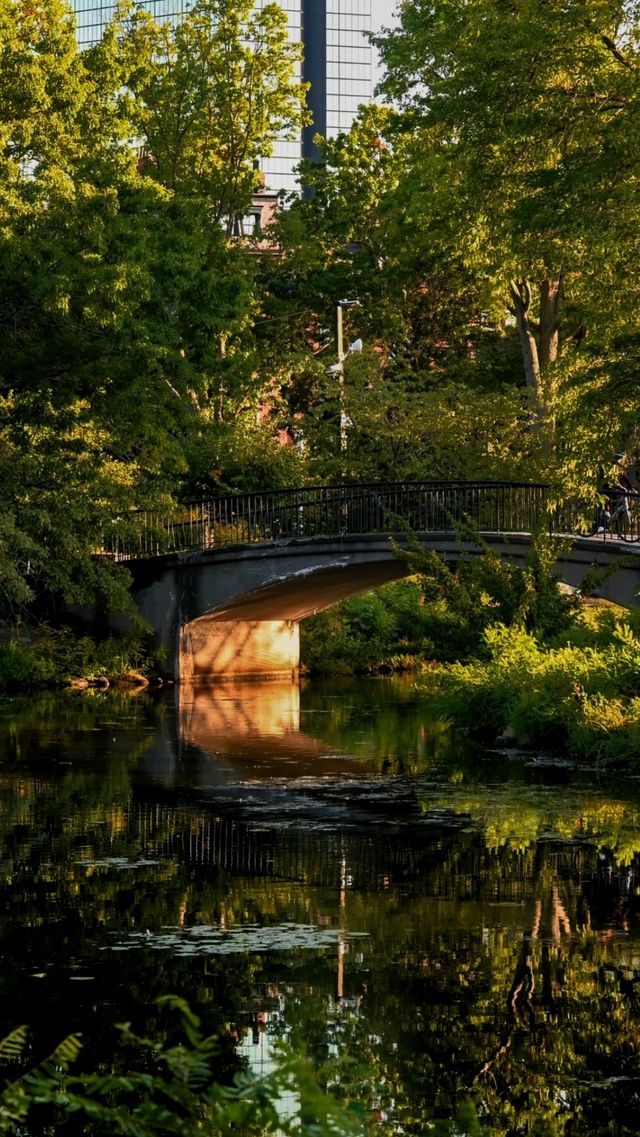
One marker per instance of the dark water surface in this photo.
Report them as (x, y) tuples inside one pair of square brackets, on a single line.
[(332, 868)]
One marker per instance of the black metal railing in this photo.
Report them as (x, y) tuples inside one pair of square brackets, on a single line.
[(331, 511)]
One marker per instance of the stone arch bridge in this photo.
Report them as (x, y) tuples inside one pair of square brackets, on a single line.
[(225, 583)]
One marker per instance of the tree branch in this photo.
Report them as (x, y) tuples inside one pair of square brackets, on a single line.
[(616, 53)]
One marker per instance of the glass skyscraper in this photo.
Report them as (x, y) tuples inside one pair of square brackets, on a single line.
[(337, 64), (92, 15)]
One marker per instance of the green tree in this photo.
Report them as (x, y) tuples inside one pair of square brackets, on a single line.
[(430, 369), (116, 296), (224, 90), (208, 97), (518, 113)]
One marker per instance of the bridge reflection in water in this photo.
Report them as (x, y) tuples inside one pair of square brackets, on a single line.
[(238, 732), (246, 791), (371, 860), (256, 723)]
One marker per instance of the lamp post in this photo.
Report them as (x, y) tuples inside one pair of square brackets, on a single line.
[(338, 368)]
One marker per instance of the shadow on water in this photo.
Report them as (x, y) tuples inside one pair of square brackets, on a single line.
[(329, 866)]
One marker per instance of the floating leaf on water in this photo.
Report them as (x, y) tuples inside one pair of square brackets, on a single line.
[(116, 863), (215, 940)]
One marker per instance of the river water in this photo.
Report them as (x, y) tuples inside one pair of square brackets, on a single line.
[(333, 868)]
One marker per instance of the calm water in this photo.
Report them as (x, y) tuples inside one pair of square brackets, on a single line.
[(334, 869)]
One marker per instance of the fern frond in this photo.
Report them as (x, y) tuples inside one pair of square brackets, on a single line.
[(12, 1047), (66, 1053)]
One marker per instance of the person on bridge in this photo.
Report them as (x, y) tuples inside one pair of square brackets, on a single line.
[(618, 495), (627, 484)]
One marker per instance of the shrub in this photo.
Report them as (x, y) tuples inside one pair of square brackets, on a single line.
[(166, 1089), (442, 613), (483, 590), (581, 697), (369, 632), (53, 657), (22, 667)]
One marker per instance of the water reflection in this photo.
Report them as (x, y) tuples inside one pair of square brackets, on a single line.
[(338, 871), (256, 727)]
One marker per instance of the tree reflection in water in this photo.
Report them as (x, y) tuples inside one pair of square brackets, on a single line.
[(338, 873)]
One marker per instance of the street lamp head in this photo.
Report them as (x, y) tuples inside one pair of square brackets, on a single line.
[(347, 303), (357, 345)]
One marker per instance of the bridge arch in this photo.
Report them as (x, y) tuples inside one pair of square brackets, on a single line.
[(234, 612)]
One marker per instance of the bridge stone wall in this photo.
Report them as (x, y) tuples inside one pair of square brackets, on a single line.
[(211, 650), (235, 613)]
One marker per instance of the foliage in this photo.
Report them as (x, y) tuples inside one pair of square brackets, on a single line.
[(381, 630), (399, 431), (355, 234), (483, 590), (51, 657), (167, 1089), (513, 138), (476, 221), (582, 697), (225, 92), (432, 373), (21, 667), (440, 614), (239, 456), (123, 305)]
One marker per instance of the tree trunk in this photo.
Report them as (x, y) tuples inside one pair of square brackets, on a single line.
[(539, 353), (521, 296), (551, 296)]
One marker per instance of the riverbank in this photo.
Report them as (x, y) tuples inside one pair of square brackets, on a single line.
[(582, 698), (574, 688), (37, 658)]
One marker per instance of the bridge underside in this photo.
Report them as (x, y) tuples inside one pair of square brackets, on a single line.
[(234, 613), (257, 635)]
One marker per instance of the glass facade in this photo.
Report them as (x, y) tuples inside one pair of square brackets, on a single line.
[(278, 167), (92, 15), (348, 62), (337, 62)]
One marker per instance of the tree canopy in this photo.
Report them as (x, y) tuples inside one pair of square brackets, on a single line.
[(486, 221), (523, 120), (125, 346)]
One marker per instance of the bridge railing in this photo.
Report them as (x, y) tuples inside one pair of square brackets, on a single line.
[(332, 511), (616, 517)]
